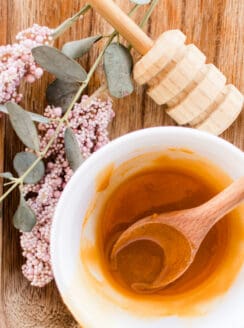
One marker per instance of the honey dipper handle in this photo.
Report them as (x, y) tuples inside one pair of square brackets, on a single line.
[(123, 24)]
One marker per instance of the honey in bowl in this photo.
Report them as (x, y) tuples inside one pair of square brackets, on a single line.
[(158, 183)]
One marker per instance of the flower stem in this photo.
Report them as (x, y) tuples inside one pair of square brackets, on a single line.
[(68, 22), (148, 13), (134, 9), (9, 190), (9, 183), (92, 70), (146, 17)]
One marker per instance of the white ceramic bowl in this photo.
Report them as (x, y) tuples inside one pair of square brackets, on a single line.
[(96, 306)]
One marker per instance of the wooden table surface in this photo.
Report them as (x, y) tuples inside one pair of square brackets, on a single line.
[(216, 26)]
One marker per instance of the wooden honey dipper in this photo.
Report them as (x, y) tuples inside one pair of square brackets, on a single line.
[(195, 93)]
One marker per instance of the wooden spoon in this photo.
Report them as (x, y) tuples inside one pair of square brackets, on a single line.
[(179, 234)]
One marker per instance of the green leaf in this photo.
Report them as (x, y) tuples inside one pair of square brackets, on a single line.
[(72, 149), (35, 117), (39, 118), (78, 48), (57, 63), (3, 109), (22, 162), (60, 93), (7, 175), (24, 218), (118, 65), (141, 2), (23, 125)]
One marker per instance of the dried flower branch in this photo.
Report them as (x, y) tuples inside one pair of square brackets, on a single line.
[(89, 125), (66, 134)]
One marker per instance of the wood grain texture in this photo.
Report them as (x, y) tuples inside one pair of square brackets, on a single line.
[(216, 27), (3, 38)]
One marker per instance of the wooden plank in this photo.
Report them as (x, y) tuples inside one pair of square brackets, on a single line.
[(3, 40), (216, 27), (25, 306)]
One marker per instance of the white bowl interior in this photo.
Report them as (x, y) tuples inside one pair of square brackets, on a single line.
[(91, 308)]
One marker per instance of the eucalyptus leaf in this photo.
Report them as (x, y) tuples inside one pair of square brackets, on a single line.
[(3, 109), (39, 118), (23, 125), (6, 175), (24, 218), (72, 149), (60, 93), (22, 161), (141, 2), (118, 65), (78, 48), (57, 63), (35, 117)]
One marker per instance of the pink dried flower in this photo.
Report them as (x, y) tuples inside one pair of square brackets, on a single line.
[(17, 62), (89, 124), (34, 36)]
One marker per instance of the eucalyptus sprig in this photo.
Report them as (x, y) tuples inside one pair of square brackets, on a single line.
[(71, 80), (26, 163), (69, 22)]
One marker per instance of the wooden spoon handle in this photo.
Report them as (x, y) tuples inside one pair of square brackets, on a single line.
[(123, 24), (196, 222), (216, 208)]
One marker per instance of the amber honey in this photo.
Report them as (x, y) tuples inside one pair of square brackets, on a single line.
[(169, 183)]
